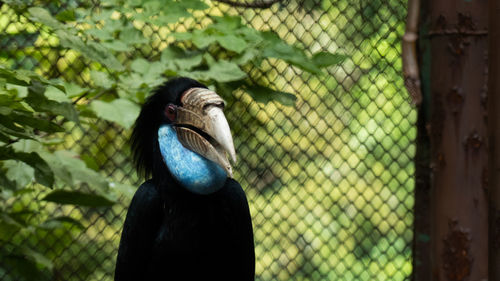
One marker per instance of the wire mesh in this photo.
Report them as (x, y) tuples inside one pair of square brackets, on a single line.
[(329, 180)]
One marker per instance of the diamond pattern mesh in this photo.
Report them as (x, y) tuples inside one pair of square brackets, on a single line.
[(329, 181)]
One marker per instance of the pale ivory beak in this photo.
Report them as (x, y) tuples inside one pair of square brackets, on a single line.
[(202, 127), (220, 130)]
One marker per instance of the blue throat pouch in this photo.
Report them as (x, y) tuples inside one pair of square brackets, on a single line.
[(196, 173)]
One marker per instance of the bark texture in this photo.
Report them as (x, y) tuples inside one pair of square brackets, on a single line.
[(458, 134)]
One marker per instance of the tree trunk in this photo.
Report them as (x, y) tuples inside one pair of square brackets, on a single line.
[(494, 138), (458, 134)]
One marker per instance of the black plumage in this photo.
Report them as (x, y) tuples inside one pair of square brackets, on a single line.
[(173, 234)]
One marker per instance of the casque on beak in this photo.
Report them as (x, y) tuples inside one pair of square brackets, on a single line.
[(202, 127)]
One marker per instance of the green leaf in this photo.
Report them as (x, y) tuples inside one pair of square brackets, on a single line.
[(194, 4), (151, 69), (132, 36), (77, 198), (232, 43), (37, 257), (248, 55), (5, 183), (293, 56), (68, 39), (8, 226), (117, 46), (182, 60), (23, 268), (140, 65), (145, 74), (221, 71), (28, 146), (22, 191), (101, 79), (8, 127), (11, 219), (4, 138), (130, 83), (120, 111), (66, 15), (79, 171), (56, 94), (22, 91), (42, 15), (265, 95), (276, 48), (182, 36), (101, 34), (112, 26), (188, 62), (6, 110), (36, 87), (60, 170), (16, 77), (69, 168), (122, 189), (58, 222), (324, 59), (160, 13), (27, 119), (73, 90), (201, 39), (20, 172), (226, 24), (104, 14), (90, 49), (43, 173), (90, 162), (40, 103), (250, 35)]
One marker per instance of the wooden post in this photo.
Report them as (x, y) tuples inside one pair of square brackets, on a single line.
[(494, 138), (458, 134)]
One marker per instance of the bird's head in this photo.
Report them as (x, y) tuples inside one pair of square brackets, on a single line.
[(182, 131)]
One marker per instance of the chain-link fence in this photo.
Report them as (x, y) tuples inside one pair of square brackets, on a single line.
[(329, 180)]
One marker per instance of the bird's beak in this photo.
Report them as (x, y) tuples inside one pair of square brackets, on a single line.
[(202, 127)]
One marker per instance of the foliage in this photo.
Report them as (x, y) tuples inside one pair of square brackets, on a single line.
[(332, 184), (32, 122), (37, 106)]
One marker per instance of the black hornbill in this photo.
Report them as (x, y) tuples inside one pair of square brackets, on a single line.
[(191, 220)]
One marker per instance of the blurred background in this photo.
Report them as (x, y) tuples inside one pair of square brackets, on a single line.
[(328, 171)]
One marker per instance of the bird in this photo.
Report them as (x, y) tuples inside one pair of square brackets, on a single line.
[(190, 220)]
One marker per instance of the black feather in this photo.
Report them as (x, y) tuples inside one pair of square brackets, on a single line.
[(186, 236), (144, 139), (170, 233)]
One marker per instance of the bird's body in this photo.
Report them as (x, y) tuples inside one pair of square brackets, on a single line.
[(173, 234), (178, 228)]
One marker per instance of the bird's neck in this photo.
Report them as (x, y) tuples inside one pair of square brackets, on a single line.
[(194, 172)]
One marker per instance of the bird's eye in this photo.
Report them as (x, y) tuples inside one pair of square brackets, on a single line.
[(171, 112)]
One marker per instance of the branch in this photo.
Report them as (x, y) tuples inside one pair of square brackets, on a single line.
[(411, 71), (260, 4), (102, 93), (80, 97)]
